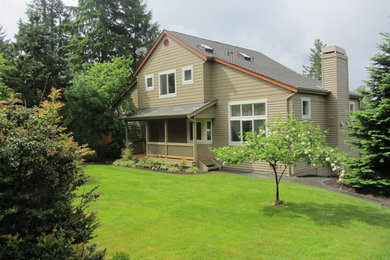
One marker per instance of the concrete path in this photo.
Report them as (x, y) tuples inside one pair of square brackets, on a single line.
[(317, 182)]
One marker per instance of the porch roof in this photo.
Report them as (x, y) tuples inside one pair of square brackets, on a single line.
[(187, 110)]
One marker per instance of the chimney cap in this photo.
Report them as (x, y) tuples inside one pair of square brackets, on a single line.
[(333, 49)]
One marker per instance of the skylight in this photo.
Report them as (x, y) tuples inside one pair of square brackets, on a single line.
[(207, 48), (246, 56)]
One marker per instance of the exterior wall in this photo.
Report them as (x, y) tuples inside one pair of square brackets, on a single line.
[(172, 57), (318, 117), (134, 96), (227, 85)]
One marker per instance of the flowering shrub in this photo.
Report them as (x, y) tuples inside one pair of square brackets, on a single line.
[(42, 213), (284, 143)]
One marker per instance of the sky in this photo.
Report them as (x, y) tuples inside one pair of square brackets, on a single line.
[(284, 30)]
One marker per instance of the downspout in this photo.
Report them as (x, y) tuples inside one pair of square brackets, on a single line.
[(289, 114), (287, 102)]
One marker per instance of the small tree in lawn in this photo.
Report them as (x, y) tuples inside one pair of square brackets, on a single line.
[(282, 144)]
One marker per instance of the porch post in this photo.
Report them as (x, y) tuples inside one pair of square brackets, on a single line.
[(147, 138), (166, 137), (194, 137), (126, 133)]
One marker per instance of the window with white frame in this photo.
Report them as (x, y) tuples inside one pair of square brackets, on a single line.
[(149, 82), (306, 108), (187, 75), (352, 108), (244, 117), (203, 131), (167, 83)]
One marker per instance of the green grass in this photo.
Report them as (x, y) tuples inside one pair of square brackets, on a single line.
[(224, 216)]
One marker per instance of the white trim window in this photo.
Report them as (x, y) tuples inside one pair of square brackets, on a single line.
[(306, 107), (149, 82), (244, 117), (188, 75), (352, 108), (167, 83), (204, 131)]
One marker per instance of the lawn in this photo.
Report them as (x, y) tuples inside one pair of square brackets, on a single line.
[(224, 216)]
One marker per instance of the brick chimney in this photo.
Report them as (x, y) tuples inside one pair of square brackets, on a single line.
[(335, 79)]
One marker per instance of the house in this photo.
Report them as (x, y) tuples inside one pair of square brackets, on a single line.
[(192, 94)]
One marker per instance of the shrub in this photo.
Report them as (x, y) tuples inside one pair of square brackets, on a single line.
[(181, 165), (41, 215), (192, 170), (165, 166), (90, 156), (149, 163), (125, 163), (173, 169)]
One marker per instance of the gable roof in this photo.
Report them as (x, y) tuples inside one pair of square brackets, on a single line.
[(248, 61)]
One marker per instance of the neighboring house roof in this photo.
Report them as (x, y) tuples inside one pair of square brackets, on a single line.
[(188, 110)]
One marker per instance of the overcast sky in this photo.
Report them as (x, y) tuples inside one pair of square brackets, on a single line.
[(284, 30)]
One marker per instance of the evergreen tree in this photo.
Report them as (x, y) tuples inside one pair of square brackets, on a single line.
[(4, 42), (44, 212), (40, 56), (314, 69), (103, 29), (371, 125)]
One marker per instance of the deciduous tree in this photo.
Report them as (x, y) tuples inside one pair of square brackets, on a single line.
[(284, 143), (89, 99)]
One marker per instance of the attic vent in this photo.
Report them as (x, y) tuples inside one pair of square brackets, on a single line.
[(207, 48), (246, 56)]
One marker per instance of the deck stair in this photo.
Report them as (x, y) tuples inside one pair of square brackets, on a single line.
[(208, 164)]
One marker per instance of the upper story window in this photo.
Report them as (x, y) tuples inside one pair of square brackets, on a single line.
[(187, 75), (167, 83), (244, 117), (306, 108), (149, 82)]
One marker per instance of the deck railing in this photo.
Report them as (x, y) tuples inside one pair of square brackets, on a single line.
[(170, 150)]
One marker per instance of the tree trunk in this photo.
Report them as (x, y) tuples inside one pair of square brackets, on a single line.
[(277, 201)]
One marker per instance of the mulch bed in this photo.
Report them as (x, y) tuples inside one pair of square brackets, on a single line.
[(382, 200)]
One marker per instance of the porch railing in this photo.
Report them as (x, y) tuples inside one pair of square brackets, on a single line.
[(170, 150)]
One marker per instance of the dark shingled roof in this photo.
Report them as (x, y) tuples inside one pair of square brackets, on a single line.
[(258, 63)]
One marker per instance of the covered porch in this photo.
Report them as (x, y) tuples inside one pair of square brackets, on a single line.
[(181, 133)]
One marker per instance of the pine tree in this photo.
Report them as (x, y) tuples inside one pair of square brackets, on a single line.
[(103, 29), (371, 126), (314, 69), (40, 56)]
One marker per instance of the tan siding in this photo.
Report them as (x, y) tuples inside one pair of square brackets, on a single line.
[(134, 96), (173, 57), (318, 118), (231, 85)]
